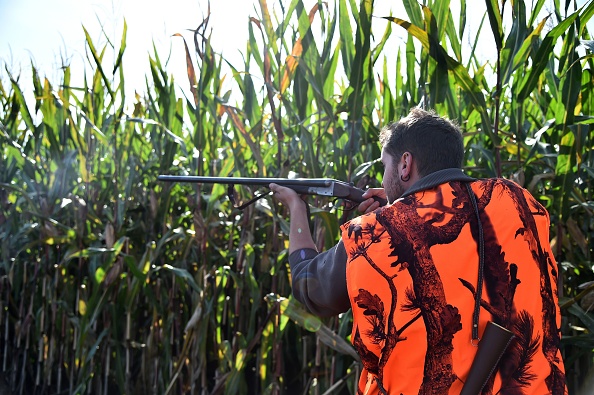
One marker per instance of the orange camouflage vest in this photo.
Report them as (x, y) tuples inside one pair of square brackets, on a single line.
[(411, 276)]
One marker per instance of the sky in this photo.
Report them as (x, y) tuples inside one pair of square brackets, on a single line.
[(46, 31)]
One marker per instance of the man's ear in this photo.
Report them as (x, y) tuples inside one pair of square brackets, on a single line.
[(406, 160)]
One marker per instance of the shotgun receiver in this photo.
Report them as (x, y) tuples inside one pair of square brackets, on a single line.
[(303, 186)]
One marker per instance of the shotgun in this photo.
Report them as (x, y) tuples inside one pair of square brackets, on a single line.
[(303, 186)]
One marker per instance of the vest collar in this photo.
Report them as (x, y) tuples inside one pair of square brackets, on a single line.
[(437, 178)]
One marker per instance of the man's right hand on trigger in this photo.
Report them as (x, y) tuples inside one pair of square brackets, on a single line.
[(370, 204)]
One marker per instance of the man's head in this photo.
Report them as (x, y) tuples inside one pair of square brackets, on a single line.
[(417, 145)]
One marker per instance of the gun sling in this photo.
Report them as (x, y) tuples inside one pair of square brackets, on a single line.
[(495, 339)]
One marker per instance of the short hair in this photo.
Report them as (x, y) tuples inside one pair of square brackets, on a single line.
[(435, 142)]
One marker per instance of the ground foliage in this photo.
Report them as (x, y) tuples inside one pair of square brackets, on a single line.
[(113, 282)]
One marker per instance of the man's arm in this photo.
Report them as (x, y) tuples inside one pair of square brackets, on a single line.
[(299, 235), (319, 280)]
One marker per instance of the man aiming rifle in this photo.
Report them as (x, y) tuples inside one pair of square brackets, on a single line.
[(426, 273)]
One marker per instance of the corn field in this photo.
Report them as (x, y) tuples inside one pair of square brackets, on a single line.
[(112, 282)]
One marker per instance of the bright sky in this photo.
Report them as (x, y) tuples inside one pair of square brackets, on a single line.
[(45, 31)]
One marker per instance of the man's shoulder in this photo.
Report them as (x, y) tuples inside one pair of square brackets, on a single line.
[(500, 182)]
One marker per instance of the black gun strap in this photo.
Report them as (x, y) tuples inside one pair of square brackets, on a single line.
[(481, 251), (253, 200), (231, 195)]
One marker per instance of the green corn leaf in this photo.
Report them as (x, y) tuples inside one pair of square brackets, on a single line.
[(443, 16), (453, 37), (183, 274), (494, 14), (414, 12), (570, 83), (585, 16), (327, 49), (120, 56), (541, 59), (312, 323), (514, 41), (347, 45), (268, 28), (462, 19), (565, 171), (22, 105), (329, 71), (98, 64), (310, 53), (310, 153), (521, 55), (584, 317), (535, 11), (411, 66), (361, 75), (331, 226), (378, 50), (37, 87)]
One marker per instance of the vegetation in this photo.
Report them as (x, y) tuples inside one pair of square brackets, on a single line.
[(113, 282)]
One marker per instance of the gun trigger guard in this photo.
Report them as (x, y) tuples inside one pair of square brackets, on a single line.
[(349, 205)]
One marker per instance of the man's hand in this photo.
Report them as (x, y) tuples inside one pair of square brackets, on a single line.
[(299, 235), (370, 204), (288, 197)]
